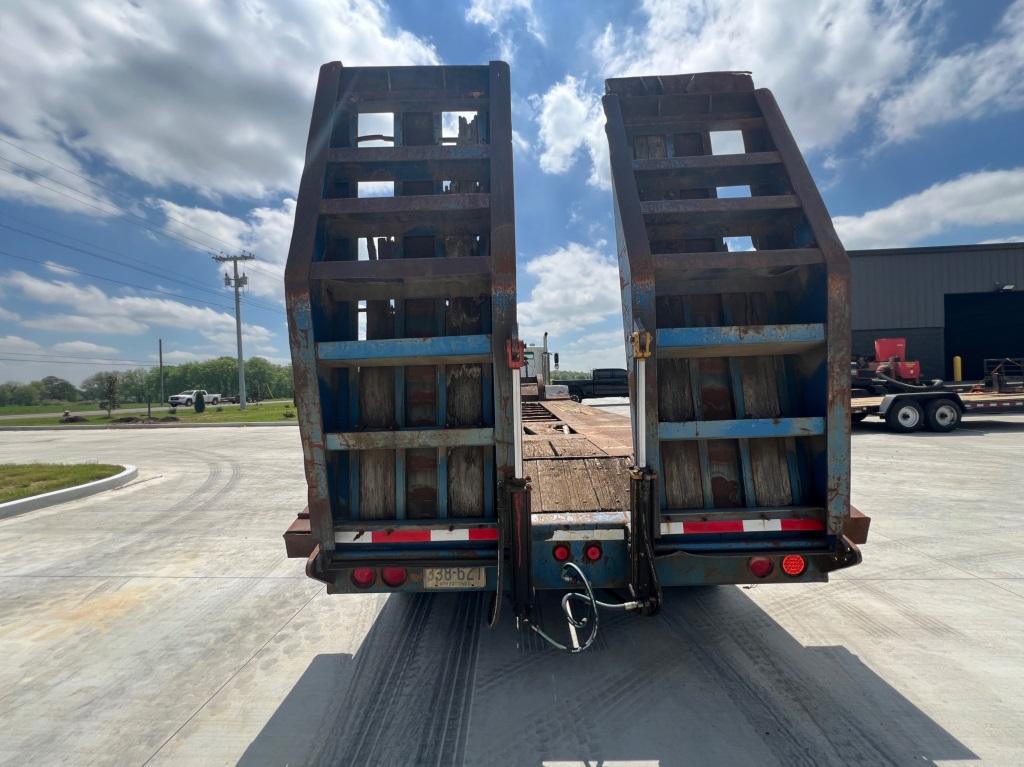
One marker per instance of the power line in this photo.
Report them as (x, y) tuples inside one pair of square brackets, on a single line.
[(71, 362), (50, 355), (159, 275), (122, 195), (140, 221), (117, 282), (131, 218)]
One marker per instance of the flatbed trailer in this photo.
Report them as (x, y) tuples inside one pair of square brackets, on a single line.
[(425, 469), (939, 410)]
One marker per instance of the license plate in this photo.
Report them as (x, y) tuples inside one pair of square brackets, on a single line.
[(454, 578)]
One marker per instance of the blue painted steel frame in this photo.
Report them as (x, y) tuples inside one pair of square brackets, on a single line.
[(395, 351), (745, 428), (736, 340)]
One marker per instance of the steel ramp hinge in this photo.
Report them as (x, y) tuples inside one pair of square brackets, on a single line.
[(515, 353), (641, 341)]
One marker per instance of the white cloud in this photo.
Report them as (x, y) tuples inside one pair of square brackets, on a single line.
[(55, 268), (266, 231), (101, 313), (577, 286), (971, 83), (202, 228), (977, 199), (18, 344), (519, 143), (829, 64), (99, 324), (214, 97), (82, 347), (501, 18), (180, 355), (570, 122), (1001, 240), (7, 314)]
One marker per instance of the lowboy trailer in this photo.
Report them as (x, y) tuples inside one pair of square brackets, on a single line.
[(426, 471)]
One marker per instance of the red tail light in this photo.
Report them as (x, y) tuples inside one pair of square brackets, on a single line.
[(794, 565), (561, 552), (592, 552), (760, 567), (393, 576), (363, 577)]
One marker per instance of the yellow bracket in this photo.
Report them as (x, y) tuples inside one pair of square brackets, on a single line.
[(641, 340)]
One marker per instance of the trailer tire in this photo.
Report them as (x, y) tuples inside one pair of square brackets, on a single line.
[(943, 415), (905, 417), (575, 395)]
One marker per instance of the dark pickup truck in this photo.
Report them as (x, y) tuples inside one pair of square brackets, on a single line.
[(606, 382)]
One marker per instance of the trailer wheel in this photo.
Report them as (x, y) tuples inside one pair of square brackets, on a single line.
[(905, 417), (575, 395), (943, 415)]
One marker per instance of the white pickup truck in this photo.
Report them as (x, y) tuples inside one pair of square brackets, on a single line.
[(188, 398)]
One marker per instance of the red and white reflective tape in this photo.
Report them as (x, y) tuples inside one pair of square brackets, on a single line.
[(706, 527), (442, 535), (606, 534)]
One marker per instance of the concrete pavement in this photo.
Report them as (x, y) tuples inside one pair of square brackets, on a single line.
[(161, 624)]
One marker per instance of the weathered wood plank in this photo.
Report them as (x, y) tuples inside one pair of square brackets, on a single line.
[(377, 405), (681, 475), (463, 392), (768, 459)]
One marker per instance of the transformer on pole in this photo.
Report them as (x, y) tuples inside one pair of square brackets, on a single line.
[(237, 282)]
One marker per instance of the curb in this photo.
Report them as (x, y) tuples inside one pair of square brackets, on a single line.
[(129, 426), (20, 506)]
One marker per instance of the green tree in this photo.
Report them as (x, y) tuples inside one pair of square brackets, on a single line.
[(569, 375), (109, 398), (133, 384), (20, 394), (57, 389), (92, 387)]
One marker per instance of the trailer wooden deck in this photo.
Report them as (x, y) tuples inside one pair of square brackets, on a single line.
[(577, 457)]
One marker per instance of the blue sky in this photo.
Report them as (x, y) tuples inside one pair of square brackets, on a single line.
[(138, 139)]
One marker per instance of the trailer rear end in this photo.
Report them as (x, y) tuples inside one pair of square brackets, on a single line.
[(425, 470)]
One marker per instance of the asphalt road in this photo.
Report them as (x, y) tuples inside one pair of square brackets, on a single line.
[(161, 624)]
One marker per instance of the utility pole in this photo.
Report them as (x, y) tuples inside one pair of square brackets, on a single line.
[(237, 282), (162, 400)]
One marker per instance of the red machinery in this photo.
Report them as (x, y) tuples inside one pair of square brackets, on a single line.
[(890, 359)]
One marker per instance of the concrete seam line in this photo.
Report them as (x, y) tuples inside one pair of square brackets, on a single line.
[(20, 506)]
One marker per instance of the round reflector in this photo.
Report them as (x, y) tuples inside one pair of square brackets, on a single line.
[(561, 552), (760, 567), (363, 577), (793, 564), (393, 576), (592, 552)]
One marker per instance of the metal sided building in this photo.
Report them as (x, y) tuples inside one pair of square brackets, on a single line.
[(965, 300)]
